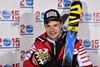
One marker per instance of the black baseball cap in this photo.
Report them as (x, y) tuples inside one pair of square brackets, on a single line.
[(51, 14)]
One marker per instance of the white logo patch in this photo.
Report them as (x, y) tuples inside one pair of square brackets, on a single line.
[(51, 13)]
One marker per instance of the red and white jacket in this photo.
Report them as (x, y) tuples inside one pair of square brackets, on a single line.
[(80, 57)]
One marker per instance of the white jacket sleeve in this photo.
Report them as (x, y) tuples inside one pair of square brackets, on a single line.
[(83, 58)]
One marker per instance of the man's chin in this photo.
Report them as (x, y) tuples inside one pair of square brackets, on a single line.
[(53, 38)]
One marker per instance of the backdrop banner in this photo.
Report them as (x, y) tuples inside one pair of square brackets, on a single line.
[(21, 21)]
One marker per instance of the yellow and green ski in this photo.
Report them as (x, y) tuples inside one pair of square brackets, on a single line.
[(72, 30)]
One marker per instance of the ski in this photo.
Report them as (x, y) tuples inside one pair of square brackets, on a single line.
[(72, 30)]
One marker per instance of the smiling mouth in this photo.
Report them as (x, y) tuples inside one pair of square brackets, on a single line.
[(52, 33)]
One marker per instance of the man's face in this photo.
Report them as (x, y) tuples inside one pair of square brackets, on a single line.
[(53, 29)]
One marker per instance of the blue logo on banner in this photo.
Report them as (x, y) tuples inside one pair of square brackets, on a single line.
[(42, 15), (86, 43), (6, 14), (66, 3), (29, 28), (7, 42), (29, 2), (7, 65), (88, 16)]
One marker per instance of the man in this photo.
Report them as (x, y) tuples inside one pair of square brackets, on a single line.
[(48, 48)]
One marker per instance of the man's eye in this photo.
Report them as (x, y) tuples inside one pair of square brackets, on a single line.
[(55, 25), (47, 26)]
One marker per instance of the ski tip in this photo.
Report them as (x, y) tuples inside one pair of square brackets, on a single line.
[(76, 3)]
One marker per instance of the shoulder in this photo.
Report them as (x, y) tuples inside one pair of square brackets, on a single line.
[(78, 45), (41, 38)]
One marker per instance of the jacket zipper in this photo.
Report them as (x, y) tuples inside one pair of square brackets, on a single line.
[(54, 49)]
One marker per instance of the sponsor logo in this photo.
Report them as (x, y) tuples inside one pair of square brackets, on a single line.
[(9, 43), (39, 16), (90, 17), (12, 15), (26, 29), (86, 43), (64, 4), (90, 44), (51, 13), (26, 3)]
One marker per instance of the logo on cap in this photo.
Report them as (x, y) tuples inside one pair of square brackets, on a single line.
[(51, 13)]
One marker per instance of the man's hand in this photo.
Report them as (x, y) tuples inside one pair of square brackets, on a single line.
[(40, 57)]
